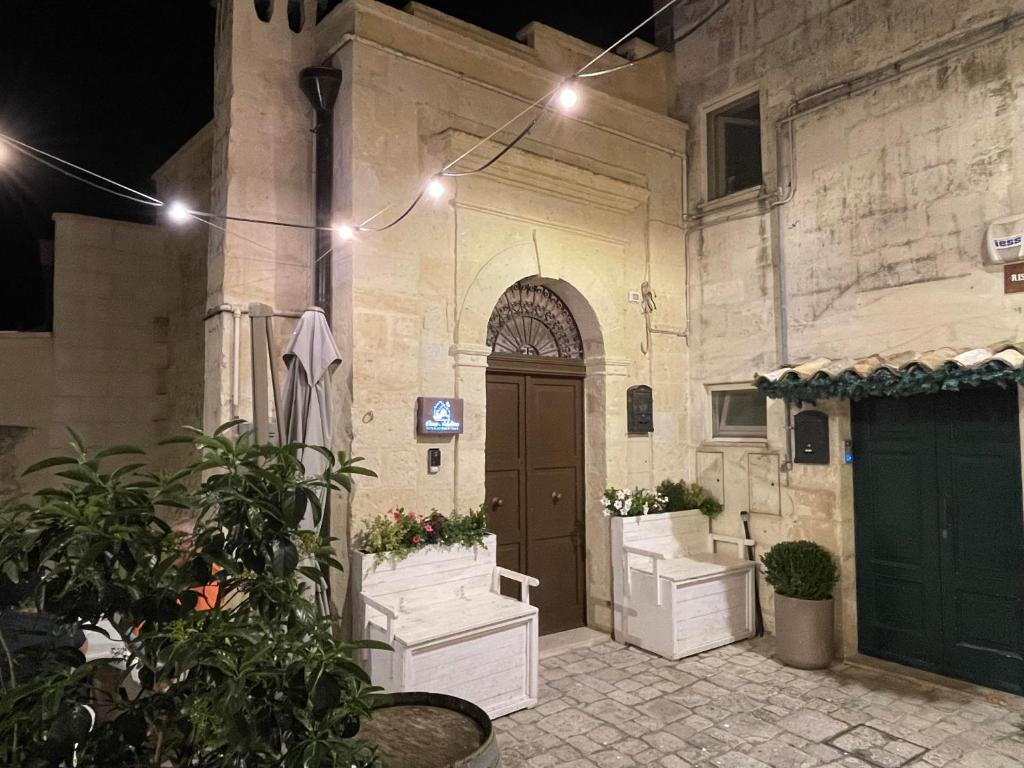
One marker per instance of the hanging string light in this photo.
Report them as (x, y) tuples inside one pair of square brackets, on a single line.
[(345, 231), (436, 188), (565, 94), (178, 212), (568, 96)]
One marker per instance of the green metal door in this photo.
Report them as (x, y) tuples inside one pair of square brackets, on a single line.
[(940, 534)]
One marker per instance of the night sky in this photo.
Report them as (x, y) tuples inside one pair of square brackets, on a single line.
[(118, 85)]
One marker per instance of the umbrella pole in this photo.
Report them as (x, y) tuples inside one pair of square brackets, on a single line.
[(258, 314), (272, 348), (264, 355)]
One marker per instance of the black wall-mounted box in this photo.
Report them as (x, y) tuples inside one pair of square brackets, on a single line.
[(810, 438), (639, 410)]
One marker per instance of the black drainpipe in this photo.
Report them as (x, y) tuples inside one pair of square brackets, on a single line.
[(321, 86)]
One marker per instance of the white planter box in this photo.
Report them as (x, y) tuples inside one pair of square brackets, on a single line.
[(673, 594), (453, 633)]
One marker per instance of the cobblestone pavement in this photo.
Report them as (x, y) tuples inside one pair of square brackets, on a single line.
[(735, 707)]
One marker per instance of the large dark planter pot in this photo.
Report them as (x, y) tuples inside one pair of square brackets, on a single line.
[(803, 632), (430, 730)]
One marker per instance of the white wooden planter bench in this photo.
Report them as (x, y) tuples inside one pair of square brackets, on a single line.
[(452, 630), (674, 594)]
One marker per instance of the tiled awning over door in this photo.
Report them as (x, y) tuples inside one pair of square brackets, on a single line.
[(898, 375)]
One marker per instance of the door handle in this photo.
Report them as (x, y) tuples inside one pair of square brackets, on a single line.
[(556, 497), (497, 502)]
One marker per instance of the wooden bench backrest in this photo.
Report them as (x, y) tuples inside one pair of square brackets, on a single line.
[(435, 573), (674, 534)]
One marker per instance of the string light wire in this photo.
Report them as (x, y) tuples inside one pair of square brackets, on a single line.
[(625, 37), (208, 218), (28, 150), (35, 152), (677, 39)]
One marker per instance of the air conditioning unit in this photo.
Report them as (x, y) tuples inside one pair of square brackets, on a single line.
[(1004, 240)]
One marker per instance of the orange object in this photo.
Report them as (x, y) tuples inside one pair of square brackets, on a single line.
[(208, 594)]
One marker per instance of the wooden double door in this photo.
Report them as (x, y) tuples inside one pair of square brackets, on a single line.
[(535, 487), (940, 534)]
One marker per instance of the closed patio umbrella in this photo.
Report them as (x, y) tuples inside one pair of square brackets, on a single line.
[(311, 357)]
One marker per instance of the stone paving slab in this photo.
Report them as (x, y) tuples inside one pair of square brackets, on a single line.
[(610, 705)]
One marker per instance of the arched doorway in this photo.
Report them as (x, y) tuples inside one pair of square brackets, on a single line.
[(534, 448)]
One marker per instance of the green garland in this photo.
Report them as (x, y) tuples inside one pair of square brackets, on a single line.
[(883, 382)]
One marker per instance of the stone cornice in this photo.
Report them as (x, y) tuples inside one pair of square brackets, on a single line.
[(537, 173), (512, 70)]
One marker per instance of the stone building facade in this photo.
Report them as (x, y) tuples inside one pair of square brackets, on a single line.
[(889, 139), (898, 125), (589, 205)]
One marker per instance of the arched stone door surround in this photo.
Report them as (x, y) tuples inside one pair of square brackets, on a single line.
[(590, 298)]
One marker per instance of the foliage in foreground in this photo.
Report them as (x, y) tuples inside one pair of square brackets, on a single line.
[(801, 569), (258, 679), (399, 533)]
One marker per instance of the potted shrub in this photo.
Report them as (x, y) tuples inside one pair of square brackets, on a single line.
[(803, 574), (259, 678)]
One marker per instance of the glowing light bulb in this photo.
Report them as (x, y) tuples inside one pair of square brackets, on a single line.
[(178, 212), (5, 153), (345, 231), (436, 188), (568, 96)]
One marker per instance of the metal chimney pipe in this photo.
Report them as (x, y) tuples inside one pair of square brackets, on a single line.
[(321, 86)]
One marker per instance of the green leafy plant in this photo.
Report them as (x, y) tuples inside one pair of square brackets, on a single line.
[(258, 678), (623, 502), (683, 495), (399, 533), (801, 569)]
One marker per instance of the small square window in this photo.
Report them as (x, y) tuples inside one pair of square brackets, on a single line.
[(739, 413), (734, 147)]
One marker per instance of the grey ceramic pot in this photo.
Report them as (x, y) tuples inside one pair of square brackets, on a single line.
[(803, 632)]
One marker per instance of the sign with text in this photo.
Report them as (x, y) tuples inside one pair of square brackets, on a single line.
[(439, 415), (1013, 277)]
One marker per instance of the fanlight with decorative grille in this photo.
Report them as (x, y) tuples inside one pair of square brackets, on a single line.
[(531, 320)]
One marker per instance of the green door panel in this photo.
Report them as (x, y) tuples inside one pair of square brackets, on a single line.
[(981, 535), (896, 523), (940, 534)]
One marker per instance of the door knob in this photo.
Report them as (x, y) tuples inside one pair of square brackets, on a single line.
[(556, 497), (496, 502)]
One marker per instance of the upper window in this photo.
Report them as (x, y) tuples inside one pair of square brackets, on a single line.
[(739, 413), (734, 147)]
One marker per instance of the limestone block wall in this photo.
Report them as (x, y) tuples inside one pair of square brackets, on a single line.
[(105, 369), (26, 394), (262, 150), (186, 176), (591, 204), (882, 238)]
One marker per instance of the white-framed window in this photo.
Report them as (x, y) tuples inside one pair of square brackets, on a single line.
[(738, 412), (734, 146)]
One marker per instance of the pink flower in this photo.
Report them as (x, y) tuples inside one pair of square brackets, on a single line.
[(415, 539), (398, 516), (428, 528)]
